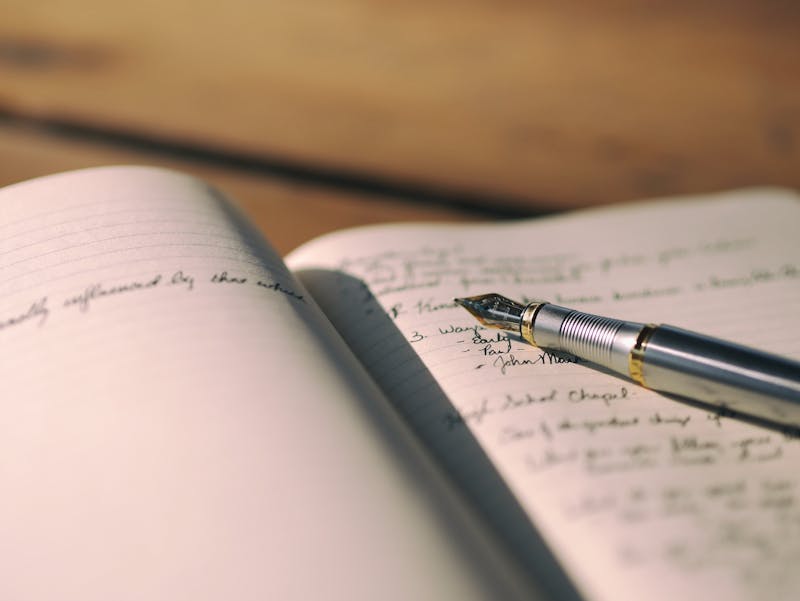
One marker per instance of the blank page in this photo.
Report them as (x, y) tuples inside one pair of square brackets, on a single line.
[(638, 496)]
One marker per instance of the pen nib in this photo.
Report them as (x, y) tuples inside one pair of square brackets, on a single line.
[(494, 310)]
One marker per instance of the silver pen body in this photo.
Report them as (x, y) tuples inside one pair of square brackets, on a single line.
[(673, 361)]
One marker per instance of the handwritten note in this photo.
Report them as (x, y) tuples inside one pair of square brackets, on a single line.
[(171, 403), (639, 496)]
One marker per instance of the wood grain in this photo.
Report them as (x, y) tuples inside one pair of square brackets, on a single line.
[(551, 103), (287, 213)]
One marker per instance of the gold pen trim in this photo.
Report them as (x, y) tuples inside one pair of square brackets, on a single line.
[(636, 356), (526, 324)]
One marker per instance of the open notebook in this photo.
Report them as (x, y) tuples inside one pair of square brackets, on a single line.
[(183, 416)]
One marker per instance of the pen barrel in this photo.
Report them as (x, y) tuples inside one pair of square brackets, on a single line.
[(602, 340), (722, 374)]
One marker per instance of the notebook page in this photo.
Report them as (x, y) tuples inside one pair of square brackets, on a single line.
[(178, 422), (638, 496)]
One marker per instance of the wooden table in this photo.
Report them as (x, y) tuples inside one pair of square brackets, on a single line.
[(357, 111)]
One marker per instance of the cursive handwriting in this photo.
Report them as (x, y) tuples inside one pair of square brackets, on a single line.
[(37, 310), (278, 287), (99, 291), (504, 364)]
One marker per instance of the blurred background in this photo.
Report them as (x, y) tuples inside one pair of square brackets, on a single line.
[(318, 115)]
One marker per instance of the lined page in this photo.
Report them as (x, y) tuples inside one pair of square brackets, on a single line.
[(637, 495), (177, 421)]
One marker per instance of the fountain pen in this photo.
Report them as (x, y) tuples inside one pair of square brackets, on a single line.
[(724, 375)]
